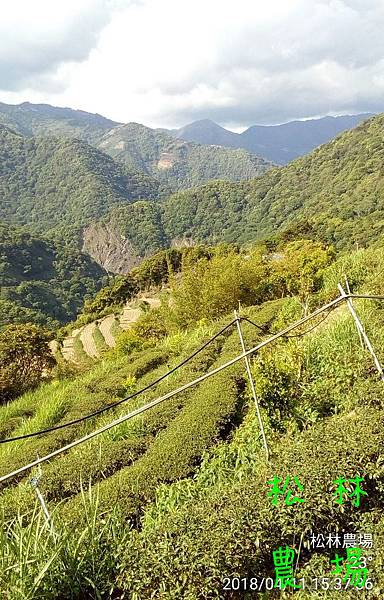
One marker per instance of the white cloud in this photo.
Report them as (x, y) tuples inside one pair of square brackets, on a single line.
[(166, 62), (37, 37)]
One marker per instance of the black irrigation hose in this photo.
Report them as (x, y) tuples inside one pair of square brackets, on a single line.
[(294, 335), (105, 408), (262, 329)]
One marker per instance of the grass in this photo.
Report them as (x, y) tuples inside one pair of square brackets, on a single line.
[(116, 330), (35, 563), (100, 343)]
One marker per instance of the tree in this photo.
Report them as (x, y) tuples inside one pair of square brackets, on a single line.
[(300, 271), (25, 357), (211, 288)]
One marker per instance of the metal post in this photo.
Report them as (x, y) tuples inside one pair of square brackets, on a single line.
[(249, 373), (350, 300), (35, 486), (361, 329)]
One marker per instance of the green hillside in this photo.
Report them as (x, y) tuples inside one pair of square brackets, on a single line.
[(42, 281), (175, 500), (177, 163), (335, 194), (45, 120), (51, 182), (338, 189), (64, 187), (59, 187)]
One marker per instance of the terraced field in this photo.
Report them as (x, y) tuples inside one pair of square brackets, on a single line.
[(91, 339)]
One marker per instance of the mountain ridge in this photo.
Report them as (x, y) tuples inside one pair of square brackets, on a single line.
[(335, 194), (43, 119), (175, 162), (278, 143)]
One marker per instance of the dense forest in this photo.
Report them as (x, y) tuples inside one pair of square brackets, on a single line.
[(60, 186), (80, 198), (59, 182), (42, 281), (335, 194), (338, 189)]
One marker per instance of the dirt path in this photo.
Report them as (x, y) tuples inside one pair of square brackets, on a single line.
[(129, 316), (87, 340)]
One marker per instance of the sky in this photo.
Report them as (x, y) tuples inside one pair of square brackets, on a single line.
[(166, 63)]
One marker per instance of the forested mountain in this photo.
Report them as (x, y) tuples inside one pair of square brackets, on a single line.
[(67, 188), (60, 182), (175, 162), (335, 194), (277, 143), (43, 119), (339, 188), (42, 281)]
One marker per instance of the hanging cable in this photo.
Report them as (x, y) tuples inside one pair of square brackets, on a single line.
[(161, 399), (293, 335), (134, 395)]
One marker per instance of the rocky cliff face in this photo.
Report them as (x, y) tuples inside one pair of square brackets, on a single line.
[(105, 244)]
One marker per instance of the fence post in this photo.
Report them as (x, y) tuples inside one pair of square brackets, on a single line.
[(350, 300), (361, 329), (34, 481), (251, 382)]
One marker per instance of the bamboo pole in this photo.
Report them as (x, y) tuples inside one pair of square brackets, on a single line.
[(35, 486), (350, 300)]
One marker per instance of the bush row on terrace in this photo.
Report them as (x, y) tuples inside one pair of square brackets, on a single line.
[(231, 529)]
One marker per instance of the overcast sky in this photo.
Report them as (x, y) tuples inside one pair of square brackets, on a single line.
[(170, 62)]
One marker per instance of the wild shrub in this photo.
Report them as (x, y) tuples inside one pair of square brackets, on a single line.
[(25, 357)]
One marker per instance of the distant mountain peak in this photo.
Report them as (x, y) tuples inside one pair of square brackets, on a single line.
[(277, 143)]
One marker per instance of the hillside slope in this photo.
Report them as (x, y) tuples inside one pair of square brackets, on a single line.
[(336, 194), (42, 281), (338, 189), (51, 182), (179, 498), (155, 153), (175, 162)]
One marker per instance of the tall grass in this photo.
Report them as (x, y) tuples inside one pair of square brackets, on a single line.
[(67, 564)]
